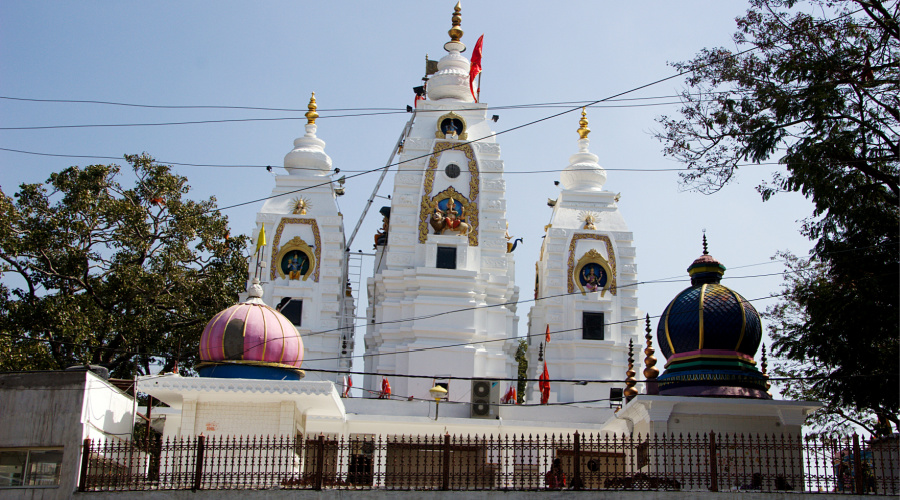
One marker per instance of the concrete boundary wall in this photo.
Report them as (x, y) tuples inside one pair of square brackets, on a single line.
[(454, 495)]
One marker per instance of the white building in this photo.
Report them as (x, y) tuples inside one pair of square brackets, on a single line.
[(445, 262), (585, 286), (44, 419), (302, 267)]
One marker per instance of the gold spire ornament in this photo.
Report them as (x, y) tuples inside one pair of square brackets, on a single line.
[(583, 129), (630, 381), (456, 32), (311, 115), (650, 370)]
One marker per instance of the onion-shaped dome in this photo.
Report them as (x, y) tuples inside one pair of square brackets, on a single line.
[(709, 335), (250, 334)]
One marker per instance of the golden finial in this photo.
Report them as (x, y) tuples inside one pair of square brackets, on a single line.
[(630, 381), (456, 32), (650, 370), (583, 130), (311, 115)]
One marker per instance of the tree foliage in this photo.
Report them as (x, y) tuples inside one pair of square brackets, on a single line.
[(815, 85), (522, 361), (102, 274)]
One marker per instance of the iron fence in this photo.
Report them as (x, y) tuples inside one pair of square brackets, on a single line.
[(713, 462)]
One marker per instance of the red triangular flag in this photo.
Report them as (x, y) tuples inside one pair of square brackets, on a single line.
[(347, 386), (547, 339), (475, 68)]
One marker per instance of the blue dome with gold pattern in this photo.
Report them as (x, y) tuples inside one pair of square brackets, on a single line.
[(709, 315), (709, 334)]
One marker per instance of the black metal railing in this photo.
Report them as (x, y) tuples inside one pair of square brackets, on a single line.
[(708, 462)]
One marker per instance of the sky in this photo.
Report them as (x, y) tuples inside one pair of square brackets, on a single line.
[(369, 55)]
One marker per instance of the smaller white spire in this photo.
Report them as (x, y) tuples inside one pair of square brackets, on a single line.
[(308, 157), (583, 172)]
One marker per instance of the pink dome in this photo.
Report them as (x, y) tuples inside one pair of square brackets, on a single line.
[(252, 332)]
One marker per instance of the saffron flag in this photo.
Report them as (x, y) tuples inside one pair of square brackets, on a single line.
[(261, 239), (544, 385), (347, 386), (475, 68), (547, 335)]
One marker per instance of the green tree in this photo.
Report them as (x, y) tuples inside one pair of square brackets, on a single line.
[(124, 278), (815, 86), (522, 360)]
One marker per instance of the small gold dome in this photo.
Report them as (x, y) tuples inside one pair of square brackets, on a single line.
[(583, 129), (311, 115)]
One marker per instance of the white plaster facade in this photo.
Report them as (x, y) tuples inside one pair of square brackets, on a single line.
[(561, 302), (407, 283), (58, 410)]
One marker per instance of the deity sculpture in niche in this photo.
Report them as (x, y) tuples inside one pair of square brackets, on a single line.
[(592, 273), (451, 126), (449, 218), (295, 264), (295, 260)]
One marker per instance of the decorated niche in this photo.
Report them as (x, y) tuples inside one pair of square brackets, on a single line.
[(449, 213), (592, 272), (468, 207), (451, 126), (296, 259)]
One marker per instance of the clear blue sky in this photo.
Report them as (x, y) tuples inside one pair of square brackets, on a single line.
[(370, 55)]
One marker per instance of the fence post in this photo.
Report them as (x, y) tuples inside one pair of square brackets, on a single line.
[(576, 477), (198, 465), (445, 462), (713, 463), (85, 457), (858, 476), (320, 462)]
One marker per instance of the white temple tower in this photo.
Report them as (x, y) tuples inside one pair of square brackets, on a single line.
[(457, 288), (302, 262), (585, 286)]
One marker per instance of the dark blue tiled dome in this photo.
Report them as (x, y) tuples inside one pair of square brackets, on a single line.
[(729, 322), (709, 334)]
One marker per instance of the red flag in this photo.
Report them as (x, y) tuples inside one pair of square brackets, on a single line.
[(547, 339), (510, 396), (348, 386), (475, 68), (544, 385)]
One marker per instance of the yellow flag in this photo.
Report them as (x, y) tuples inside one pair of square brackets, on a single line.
[(261, 240)]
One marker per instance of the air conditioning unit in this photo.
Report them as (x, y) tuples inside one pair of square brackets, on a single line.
[(485, 398)]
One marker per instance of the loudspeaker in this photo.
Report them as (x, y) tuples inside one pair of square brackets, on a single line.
[(485, 398)]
